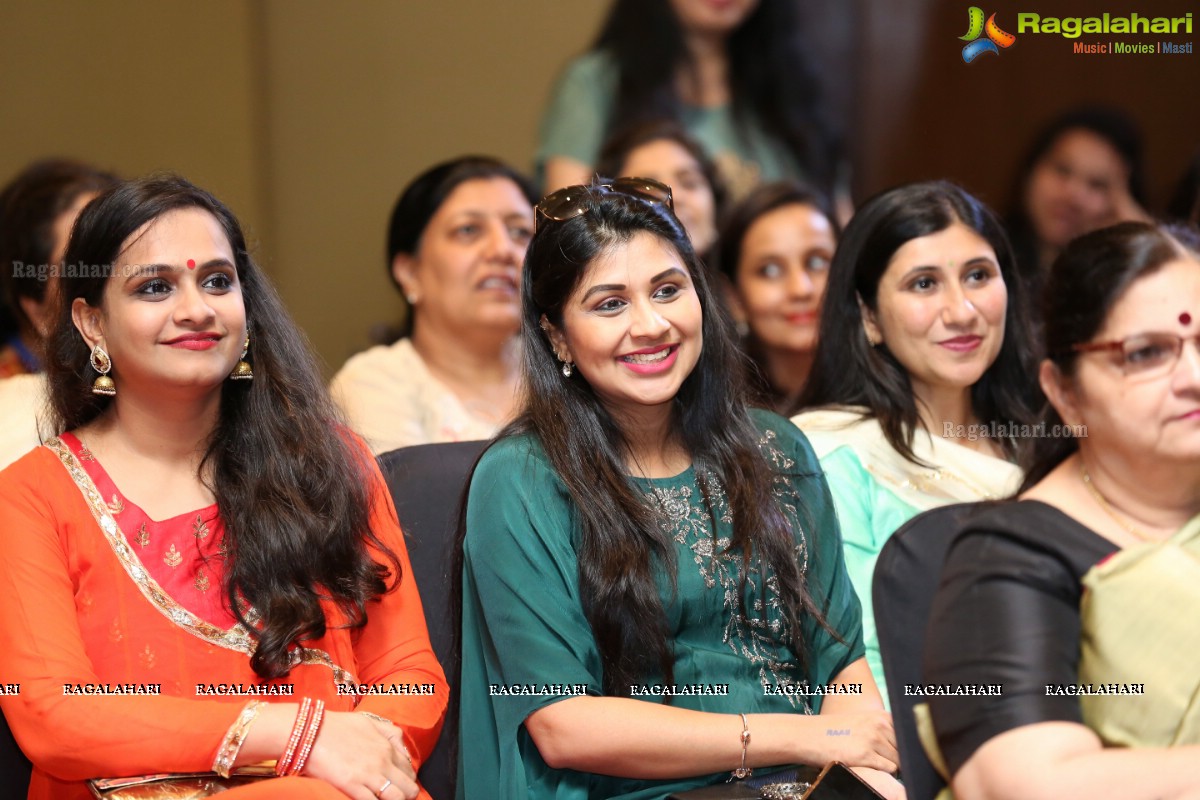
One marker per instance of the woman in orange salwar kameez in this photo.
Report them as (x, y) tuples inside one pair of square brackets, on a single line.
[(193, 555)]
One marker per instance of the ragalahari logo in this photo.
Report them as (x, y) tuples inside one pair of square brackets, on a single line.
[(996, 38)]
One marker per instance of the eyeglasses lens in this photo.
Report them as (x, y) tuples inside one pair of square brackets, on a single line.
[(1150, 353)]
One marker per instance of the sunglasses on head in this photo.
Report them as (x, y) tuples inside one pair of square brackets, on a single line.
[(571, 201)]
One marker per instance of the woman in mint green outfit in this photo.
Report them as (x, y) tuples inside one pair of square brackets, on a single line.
[(922, 389), (653, 589), (736, 75)]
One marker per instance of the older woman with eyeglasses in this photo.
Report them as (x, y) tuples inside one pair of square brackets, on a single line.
[(1078, 597)]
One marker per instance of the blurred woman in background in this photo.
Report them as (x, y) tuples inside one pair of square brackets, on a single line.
[(1083, 171), (775, 251), (664, 152), (734, 74), (456, 240), (37, 210)]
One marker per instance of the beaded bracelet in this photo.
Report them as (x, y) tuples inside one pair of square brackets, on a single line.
[(285, 761), (743, 771), (310, 736)]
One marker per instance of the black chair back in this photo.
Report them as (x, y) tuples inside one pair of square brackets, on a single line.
[(15, 768), (426, 482), (906, 578)]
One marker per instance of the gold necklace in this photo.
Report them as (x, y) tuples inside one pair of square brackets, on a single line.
[(1102, 501)]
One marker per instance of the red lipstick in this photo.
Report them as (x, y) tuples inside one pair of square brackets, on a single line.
[(962, 344), (637, 362), (195, 341)]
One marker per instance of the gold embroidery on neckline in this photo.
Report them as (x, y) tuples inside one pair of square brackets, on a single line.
[(236, 638), (200, 528), (117, 505), (173, 558)]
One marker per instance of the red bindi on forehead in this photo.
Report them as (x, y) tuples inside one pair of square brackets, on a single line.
[(1185, 318), (191, 263)]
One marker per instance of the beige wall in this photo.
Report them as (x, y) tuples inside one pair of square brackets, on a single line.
[(306, 116), (360, 101), (133, 86)]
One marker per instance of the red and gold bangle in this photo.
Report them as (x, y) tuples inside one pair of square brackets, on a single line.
[(310, 736), (285, 761)]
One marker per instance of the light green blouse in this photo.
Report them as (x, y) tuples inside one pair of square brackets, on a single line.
[(576, 123), (876, 490), (524, 627)]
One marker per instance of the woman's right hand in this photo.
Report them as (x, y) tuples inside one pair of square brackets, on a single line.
[(360, 755), (857, 739)]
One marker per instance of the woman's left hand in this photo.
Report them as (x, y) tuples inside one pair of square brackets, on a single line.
[(363, 757)]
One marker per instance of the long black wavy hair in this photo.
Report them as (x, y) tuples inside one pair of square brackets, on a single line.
[(849, 371), (292, 486), (771, 80), (620, 535)]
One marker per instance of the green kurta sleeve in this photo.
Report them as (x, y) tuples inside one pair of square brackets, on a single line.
[(523, 622), (576, 120)]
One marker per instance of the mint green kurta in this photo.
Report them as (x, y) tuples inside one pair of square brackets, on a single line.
[(523, 621), (876, 490), (576, 122)]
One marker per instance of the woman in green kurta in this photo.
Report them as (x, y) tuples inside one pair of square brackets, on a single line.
[(650, 570)]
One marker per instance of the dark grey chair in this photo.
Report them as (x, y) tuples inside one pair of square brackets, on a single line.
[(427, 482), (15, 768), (906, 578)]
